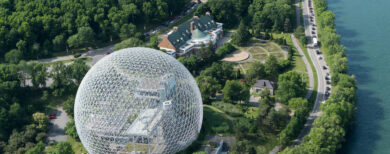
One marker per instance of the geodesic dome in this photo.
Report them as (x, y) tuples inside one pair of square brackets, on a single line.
[(138, 100)]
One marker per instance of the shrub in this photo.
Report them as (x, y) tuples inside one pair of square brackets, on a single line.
[(77, 55)]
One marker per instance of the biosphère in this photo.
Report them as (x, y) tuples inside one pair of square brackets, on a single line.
[(138, 100)]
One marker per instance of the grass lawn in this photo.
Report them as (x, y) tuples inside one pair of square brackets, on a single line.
[(77, 146), (215, 122), (260, 50), (299, 65), (252, 113), (230, 109), (314, 94)]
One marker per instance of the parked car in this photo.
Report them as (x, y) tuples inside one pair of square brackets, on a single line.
[(52, 116), (327, 94), (327, 88), (327, 74), (320, 57), (318, 52), (108, 52), (327, 78), (324, 67), (328, 82), (313, 32), (313, 28)]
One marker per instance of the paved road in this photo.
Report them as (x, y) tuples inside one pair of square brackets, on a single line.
[(321, 73), (56, 131)]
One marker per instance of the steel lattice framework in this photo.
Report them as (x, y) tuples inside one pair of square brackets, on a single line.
[(138, 100)]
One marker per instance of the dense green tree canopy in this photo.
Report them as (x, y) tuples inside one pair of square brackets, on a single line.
[(34, 29), (235, 91), (290, 85), (62, 148), (131, 42), (242, 36), (208, 87)]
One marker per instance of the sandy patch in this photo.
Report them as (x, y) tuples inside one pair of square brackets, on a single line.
[(236, 56)]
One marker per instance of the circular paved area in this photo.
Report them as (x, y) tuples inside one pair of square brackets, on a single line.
[(236, 56)]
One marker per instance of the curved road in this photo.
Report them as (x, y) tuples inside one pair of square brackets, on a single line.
[(318, 64)]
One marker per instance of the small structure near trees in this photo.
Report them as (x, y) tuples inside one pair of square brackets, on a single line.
[(260, 85)]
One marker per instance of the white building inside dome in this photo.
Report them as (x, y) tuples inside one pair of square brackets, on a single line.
[(128, 105)]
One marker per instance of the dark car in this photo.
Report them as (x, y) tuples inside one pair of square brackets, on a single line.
[(327, 95), (327, 78), (52, 116), (318, 51), (328, 82), (324, 67), (313, 32), (327, 88)]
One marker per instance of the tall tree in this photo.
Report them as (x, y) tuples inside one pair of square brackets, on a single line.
[(41, 120), (38, 74), (235, 91), (208, 87), (290, 85), (271, 67), (242, 36)]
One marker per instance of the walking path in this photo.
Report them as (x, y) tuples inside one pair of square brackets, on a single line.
[(308, 67), (56, 131)]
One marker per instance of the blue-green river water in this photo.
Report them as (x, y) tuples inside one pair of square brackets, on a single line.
[(365, 29)]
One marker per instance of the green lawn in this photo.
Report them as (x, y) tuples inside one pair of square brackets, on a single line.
[(260, 50), (77, 146), (299, 65), (252, 113), (230, 109), (215, 122), (314, 94)]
